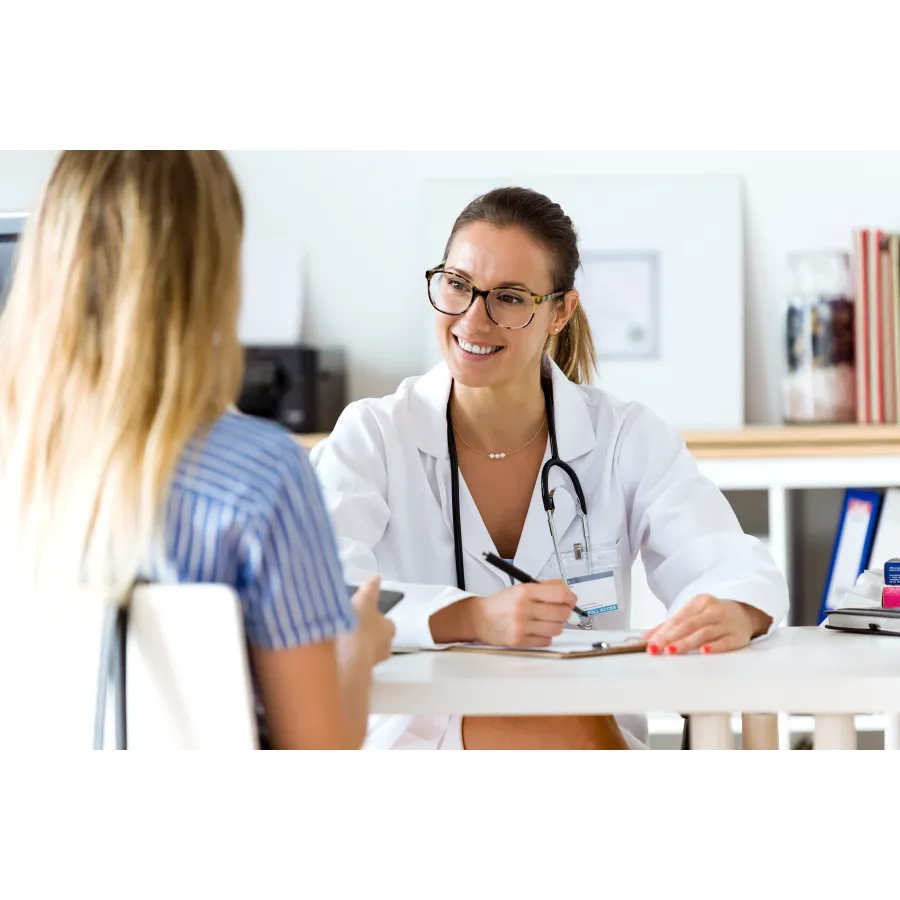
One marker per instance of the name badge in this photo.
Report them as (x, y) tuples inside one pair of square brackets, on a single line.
[(596, 592), (597, 583)]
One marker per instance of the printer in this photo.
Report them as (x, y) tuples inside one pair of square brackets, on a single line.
[(301, 387)]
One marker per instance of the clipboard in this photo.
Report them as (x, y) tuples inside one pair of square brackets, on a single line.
[(538, 653), (570, 644)]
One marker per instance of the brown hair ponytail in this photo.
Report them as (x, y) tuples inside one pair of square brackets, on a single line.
[(573, 348)]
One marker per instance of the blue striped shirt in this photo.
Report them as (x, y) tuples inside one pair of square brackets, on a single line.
[(245, 509)]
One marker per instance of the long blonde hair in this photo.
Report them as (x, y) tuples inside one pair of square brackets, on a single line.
[(117, 344)]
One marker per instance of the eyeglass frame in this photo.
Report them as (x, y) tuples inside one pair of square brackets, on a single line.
[(476, 293)]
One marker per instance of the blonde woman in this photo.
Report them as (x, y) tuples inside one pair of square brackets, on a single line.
[(121, 454)]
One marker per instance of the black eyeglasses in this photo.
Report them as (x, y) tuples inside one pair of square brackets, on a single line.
[(453, 295)]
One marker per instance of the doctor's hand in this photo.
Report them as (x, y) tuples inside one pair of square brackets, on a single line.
[(526, 615), (709, 625)]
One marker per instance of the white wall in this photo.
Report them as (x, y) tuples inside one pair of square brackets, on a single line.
[(23, 170), (357, 219), (361, 213)]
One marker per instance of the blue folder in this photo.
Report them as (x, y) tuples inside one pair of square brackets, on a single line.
[(862, 504)]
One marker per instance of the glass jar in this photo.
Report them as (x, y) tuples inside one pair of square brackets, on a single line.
[(819, 383)]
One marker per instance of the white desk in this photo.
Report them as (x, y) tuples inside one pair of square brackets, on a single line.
[(798, 670)]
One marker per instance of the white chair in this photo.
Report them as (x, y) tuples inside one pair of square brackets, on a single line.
[(188, 683)]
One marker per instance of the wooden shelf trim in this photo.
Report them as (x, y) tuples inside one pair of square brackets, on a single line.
[(767, 442)]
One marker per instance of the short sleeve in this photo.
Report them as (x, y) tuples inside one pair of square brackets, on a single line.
[(293, 586)]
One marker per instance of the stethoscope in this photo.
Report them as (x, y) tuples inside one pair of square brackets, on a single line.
[(546, 494)]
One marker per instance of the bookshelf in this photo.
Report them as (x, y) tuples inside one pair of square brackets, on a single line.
[(779, 462), (760, 442), (782, 461)]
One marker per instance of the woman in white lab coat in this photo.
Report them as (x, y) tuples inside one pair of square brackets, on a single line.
[(517, 353)]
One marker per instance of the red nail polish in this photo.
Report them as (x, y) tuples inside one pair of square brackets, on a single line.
[(704, 649), (671, 650), (654, 650)]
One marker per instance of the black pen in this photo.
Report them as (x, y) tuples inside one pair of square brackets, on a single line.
[(519, 575)]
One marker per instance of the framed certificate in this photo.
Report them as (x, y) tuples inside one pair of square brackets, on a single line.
[(622, 292)]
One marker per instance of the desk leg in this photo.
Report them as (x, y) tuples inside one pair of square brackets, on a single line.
[(834, 733), (759, 732), (892, 731), (781, 529), (711, 732), (784, 731)]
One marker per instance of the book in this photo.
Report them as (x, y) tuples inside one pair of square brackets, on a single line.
[(893, 281), (876, 317), (888, 342), (865, 621), (861, 323), (875, 305)]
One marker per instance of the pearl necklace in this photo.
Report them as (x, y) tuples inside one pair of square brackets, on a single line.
[(501, 455)]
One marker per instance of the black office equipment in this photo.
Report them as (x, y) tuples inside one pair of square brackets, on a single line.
[(301, 387)]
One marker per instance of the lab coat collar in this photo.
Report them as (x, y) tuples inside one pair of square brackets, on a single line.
[(575, 432)]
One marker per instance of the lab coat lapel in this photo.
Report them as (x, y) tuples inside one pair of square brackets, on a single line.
[(428, 419), (575, 437), (535, 545), (535, 548), (428, 411), (476, 539), (576, 434)]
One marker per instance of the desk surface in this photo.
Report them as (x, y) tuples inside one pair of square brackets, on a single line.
[(801, 670)]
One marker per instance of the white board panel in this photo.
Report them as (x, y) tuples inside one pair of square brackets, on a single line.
[(662, 284)]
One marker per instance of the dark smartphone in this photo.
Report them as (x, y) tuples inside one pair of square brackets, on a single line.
[(387, 600)]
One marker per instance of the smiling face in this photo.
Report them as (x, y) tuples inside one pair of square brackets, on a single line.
[(478, 352)]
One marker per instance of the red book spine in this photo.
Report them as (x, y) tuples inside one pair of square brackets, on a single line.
[(875, 251), (861, 317)]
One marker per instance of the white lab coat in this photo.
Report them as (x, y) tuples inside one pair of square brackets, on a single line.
[(385, 473)]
